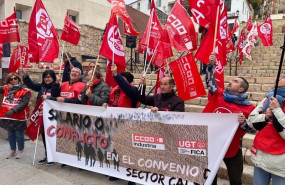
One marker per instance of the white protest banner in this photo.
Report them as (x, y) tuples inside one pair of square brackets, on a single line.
[(164, 148)]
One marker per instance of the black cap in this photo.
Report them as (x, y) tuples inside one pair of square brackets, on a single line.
[(128, 76)]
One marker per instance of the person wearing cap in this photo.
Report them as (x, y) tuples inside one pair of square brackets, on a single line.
[(69, 62), (96, 91), (69, 92), (125, 93)]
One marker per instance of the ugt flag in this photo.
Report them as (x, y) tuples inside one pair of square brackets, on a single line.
[(186, 75), (9, 30), (42, 36), (265, 32), (112, 46), (70, 32)]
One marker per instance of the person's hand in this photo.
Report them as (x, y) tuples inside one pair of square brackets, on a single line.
[(44, 97), (274, 104), (212, 58), (22, 72), (60, 99), (114, 69), (88, 92), (89, 83), (241, 118), (9, 113), (268, 114), (58, 78), (105, 105), (154, 109), (143, 80), (9, 86)]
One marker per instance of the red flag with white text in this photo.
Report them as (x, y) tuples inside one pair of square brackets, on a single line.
[(248, 25), (70, 32), (119, 9), (19, 57), (152, 33), (265, 32), (188, 81), (236, 26), (181, 30), (160, 75), (9, 30), (36, 121), (247, 51), (42, 36), (112, 45)]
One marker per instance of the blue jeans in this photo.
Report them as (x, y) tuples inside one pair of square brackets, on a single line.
[(262, 177), (16, 136)]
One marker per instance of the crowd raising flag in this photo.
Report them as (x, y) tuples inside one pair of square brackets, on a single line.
[(42, 36), (19, 58), (112, 48), (119, 9), (152, 34), (265, 32), (188, 81), (181, 29), (9, 30), (70, 32)]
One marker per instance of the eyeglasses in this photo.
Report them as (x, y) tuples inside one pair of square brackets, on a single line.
[(11, 79), (47, 77)]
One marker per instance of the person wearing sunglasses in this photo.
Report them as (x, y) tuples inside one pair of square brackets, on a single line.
[(14, 113)]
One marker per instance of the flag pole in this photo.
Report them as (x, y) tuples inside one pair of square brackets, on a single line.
[(36, 144), (216, 27), (152, 56), (95, 67), (148, 38), (61, 58)]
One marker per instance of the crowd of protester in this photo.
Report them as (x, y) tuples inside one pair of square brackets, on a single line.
[(89, 88)]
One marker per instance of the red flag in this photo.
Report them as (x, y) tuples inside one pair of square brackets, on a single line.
[(160, 75), (70, 32), (119, 9), (181, 29), (247, 51), (265, 32), (109, 79), (188, 81), (36, 121), (9, 30), (205, 14), (229, 43), (248, 25), (252, 36), (236, 26), (240, 45), (152, 33), (42, 36), (19, 57), (112, 44), (162, 51)]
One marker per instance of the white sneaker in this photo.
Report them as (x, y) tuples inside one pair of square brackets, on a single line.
[(20, 154), (12, 154)]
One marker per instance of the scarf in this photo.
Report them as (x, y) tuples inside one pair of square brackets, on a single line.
[(240, 99), (14, 88), (279, 96)]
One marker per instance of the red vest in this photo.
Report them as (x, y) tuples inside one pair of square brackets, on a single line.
[(73, 91), (119, 99), (22, 115), (217, 104), (268, 140)]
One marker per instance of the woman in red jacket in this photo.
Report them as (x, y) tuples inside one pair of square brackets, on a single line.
[(14, 112)]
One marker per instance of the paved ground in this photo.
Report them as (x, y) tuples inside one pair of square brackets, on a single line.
[(23, 172)]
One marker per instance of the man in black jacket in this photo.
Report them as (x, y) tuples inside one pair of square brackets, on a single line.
[(166, 100), (70, 62)]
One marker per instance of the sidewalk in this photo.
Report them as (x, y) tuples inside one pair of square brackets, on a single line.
[(22, 172)]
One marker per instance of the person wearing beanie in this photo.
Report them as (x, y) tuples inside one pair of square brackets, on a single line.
[(125, 93)]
